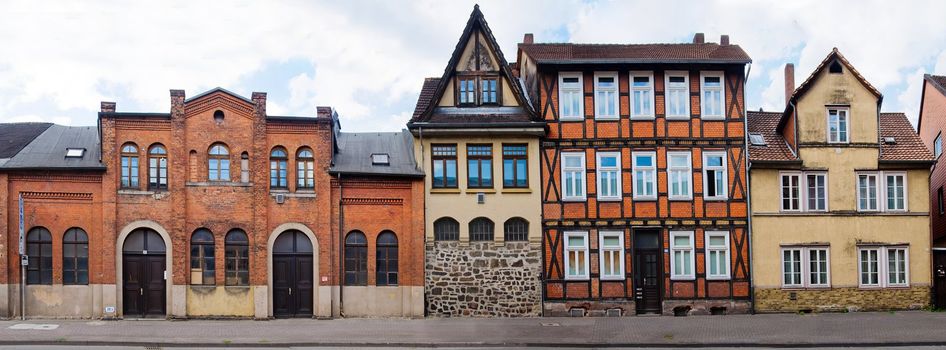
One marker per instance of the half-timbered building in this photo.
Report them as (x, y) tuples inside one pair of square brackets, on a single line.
[(643, 176)]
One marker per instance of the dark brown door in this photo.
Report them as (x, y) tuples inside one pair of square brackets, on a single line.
[(292, 286), (143, 291), (648, 274), (939, 279)]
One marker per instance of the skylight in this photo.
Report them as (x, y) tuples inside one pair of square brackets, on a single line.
[(890, 140), (380, 159), (75, 152), (756, 140)]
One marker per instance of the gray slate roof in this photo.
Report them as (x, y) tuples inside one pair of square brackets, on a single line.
[(15, 136), (355, 150), (48, 150)]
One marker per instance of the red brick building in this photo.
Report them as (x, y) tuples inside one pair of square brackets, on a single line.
[(643, 176), (215, 209), (931, 126)]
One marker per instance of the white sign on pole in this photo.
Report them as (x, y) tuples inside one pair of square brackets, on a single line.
[(22, 238)]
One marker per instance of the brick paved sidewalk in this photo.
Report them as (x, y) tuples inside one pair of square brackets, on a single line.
[(854, 329)]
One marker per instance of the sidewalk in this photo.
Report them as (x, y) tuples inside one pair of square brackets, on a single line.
[(853, 329)]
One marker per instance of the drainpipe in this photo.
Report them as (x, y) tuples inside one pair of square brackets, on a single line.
[(748, 165), (341, 247), (420, 132)]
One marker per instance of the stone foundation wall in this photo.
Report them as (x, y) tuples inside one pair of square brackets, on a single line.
[(481, 279), (841, 299)]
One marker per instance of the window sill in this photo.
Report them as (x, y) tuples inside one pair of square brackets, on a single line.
[(219, 183), (577, 278), (680, 199), (480, 190), (607, 119), (612, 279), (718, 278), (571, 119), (803, 288), (642, 118), (574, 199), (445, 190), (136, 192), (278, 190), (715, 199), (517, 190), (677, 117), (609, 199), (293, 195), (646, 199), (685, 278), (713, 118)]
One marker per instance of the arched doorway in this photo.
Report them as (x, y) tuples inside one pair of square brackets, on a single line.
[(143, 274), (292, 275)]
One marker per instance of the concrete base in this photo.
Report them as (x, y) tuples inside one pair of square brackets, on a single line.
[(6, 304), (220, 301), (260, 302), (178, 302), (375, 301)]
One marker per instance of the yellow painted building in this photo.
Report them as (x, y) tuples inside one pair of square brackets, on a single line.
[(839, 199), (477, 140)]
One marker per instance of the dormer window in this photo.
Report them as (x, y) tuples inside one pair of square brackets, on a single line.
[(477, 90), (380, 159), (75, 152)]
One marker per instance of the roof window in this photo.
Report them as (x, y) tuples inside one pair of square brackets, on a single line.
[(380, 159), (75, 152), (756, 140)]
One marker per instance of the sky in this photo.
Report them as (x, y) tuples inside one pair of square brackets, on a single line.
[(367, 59)]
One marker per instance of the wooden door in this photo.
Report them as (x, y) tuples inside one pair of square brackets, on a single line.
[(292, 286), (939, 279), (648, 272), (132, 280), (303, 286), (143, 290)]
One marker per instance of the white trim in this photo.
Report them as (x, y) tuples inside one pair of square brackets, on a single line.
[(581, 96), (615, 91), (722, 95), (805, 266), (619, 250), (726, 254), (584, 234), (688, 192), (906, 266), (650, 91), (906, 191), (860, 270), (581, 172), (877, 189), (801, 267), (692, 260), (938, 145), (686, 94), (847, 124), (653, 172), (598, 170), (781, 191), (724, 194), (804, 191)]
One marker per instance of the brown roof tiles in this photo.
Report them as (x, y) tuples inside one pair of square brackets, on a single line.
[(635, 53), (775, 149), (907, 144)]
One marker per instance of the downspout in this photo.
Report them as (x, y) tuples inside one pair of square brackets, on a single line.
[(341, 247), (748, 165), (420, 132)]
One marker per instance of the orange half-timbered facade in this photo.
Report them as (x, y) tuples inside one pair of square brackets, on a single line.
[(644, 196)]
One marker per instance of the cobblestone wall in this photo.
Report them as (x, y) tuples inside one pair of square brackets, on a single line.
[(841, 299), (483, 280)]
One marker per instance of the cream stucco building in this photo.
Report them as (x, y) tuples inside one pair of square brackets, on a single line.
[(839, 199)]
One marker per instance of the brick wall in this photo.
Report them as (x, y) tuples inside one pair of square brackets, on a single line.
[(933, 111)]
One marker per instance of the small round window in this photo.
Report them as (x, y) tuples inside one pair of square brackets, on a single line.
[(218, 116)]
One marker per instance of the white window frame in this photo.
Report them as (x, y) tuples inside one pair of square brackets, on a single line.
[(906, 193), (686, 94), (883, 261), (781, 191), (620, 252), (586, 275), (581, 171), (722, 95), (723, 194), (561, 94), (879, 194), (725, 251), (599, 169), (847, 124), (938, 145), (804, 191), (650, 91), (615, 93), (688, 193), (805, 266), (651, 169), (691, 261)]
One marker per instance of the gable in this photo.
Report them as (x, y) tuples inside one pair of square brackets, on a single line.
[(845, 89), (218, 99)]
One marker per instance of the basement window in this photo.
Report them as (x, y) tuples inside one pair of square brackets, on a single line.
[(75, 152), (380, 159)]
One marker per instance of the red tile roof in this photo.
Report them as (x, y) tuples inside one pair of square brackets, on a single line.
[(426, 96), (635, 53), (907, 144), (775, 149)]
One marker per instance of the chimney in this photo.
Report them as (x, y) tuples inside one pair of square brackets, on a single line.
[(527, 39), (698, 38), (108, 107), (789, 81), (323, 111), (177, 104), (724, 40), (259, 100)]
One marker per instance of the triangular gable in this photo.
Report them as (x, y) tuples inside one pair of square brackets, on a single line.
[(218, 98), (803, 88), (936, 81), (476, 24)]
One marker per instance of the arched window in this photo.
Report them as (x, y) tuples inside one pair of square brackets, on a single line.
[(277, 168), (237, 248), (481, 229), (129, 166), (218, 163), (75, 257), (356, 259), (157, 168), (446, 229), (305, 168), (244, 167), (202, 257), (386, 259), (516, 229), (39, 248)]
